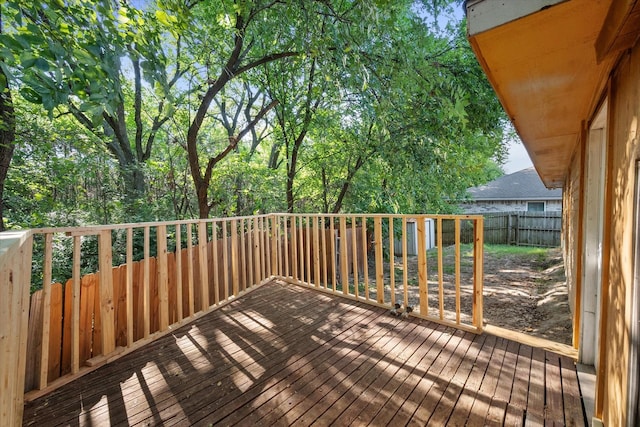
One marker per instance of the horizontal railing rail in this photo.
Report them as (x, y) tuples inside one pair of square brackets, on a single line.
[(107, 290)]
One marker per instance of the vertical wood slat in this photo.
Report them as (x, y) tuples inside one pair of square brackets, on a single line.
[(478, 274), (225, 261), (250, 255), (263, 260), (323, 239), (106, 292), (46, 310), (243, 257), (267, 246), (332, 244), (274, 233), (354, 252), (163, 276), (440, 269), (422, 268), (316, 252), (146, 308), (294, 247), (457, 268), (405, 273), (216, 262), (344, 272), (204, 270), (301, 250), (392, 262), (256, 250), (285, 250), (190, 287), (234, 258), (178, 258), (75, 307), (377, 230), (365, 257), (307, 250)]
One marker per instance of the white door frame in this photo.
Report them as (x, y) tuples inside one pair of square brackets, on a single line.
[(595, 168)]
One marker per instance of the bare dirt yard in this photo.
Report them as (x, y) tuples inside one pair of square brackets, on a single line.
[(524, 289), (527, 292)]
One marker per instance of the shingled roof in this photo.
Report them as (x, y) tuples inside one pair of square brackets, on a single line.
[(521, 185)]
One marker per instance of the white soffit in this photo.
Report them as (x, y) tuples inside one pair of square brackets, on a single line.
[(487, 14)]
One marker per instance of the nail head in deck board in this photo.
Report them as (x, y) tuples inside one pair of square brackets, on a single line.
[(280, 341)]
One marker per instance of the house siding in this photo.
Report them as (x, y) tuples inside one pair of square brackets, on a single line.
[(623, 150), (508, 206)]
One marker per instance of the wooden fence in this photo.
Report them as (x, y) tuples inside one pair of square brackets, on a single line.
[(513, 228), (71, 328)]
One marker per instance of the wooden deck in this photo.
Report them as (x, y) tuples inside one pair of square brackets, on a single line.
[(285, 355)]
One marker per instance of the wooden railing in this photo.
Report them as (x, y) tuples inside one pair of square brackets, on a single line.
[(129, 284), (368, 258), (15, 273)]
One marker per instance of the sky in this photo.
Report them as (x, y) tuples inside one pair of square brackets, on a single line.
[(517, 159)]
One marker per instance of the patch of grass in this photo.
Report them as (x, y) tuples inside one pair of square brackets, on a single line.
[(495, 251), (507, 250)]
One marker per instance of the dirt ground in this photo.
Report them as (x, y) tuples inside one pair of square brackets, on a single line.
[(524, 292), (528, 294)]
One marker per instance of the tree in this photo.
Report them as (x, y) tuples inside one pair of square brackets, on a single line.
[(7, 131), (73, 56)]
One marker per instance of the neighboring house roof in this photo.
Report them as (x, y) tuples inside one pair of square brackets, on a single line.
[(521, 185)]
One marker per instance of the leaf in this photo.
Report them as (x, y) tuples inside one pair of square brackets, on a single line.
[(164, 18), (42, 64), (30, 95), (11, 43)]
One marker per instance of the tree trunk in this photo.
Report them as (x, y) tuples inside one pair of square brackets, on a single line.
[(7, 137)]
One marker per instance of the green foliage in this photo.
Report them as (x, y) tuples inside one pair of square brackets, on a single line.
[(379, 109)]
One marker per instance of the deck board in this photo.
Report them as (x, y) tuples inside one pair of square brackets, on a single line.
[(286, 355)]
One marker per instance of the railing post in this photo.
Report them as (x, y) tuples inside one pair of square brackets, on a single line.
[(316, 251), (163, 276), (422, 267), (216, 262), (256, 250), (234, 258), (354, 253), (225, 262), (15, 278), (106, 292), (457, 266), (440, 269), (478, 274), (344, 271), (178, 260), (46, 310), (294, 247), (190, 287), (146, 305), (274, 232), (75, 308), (204, 267), (377, 230)]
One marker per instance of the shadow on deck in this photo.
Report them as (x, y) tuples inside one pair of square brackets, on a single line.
[(286, 355)]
